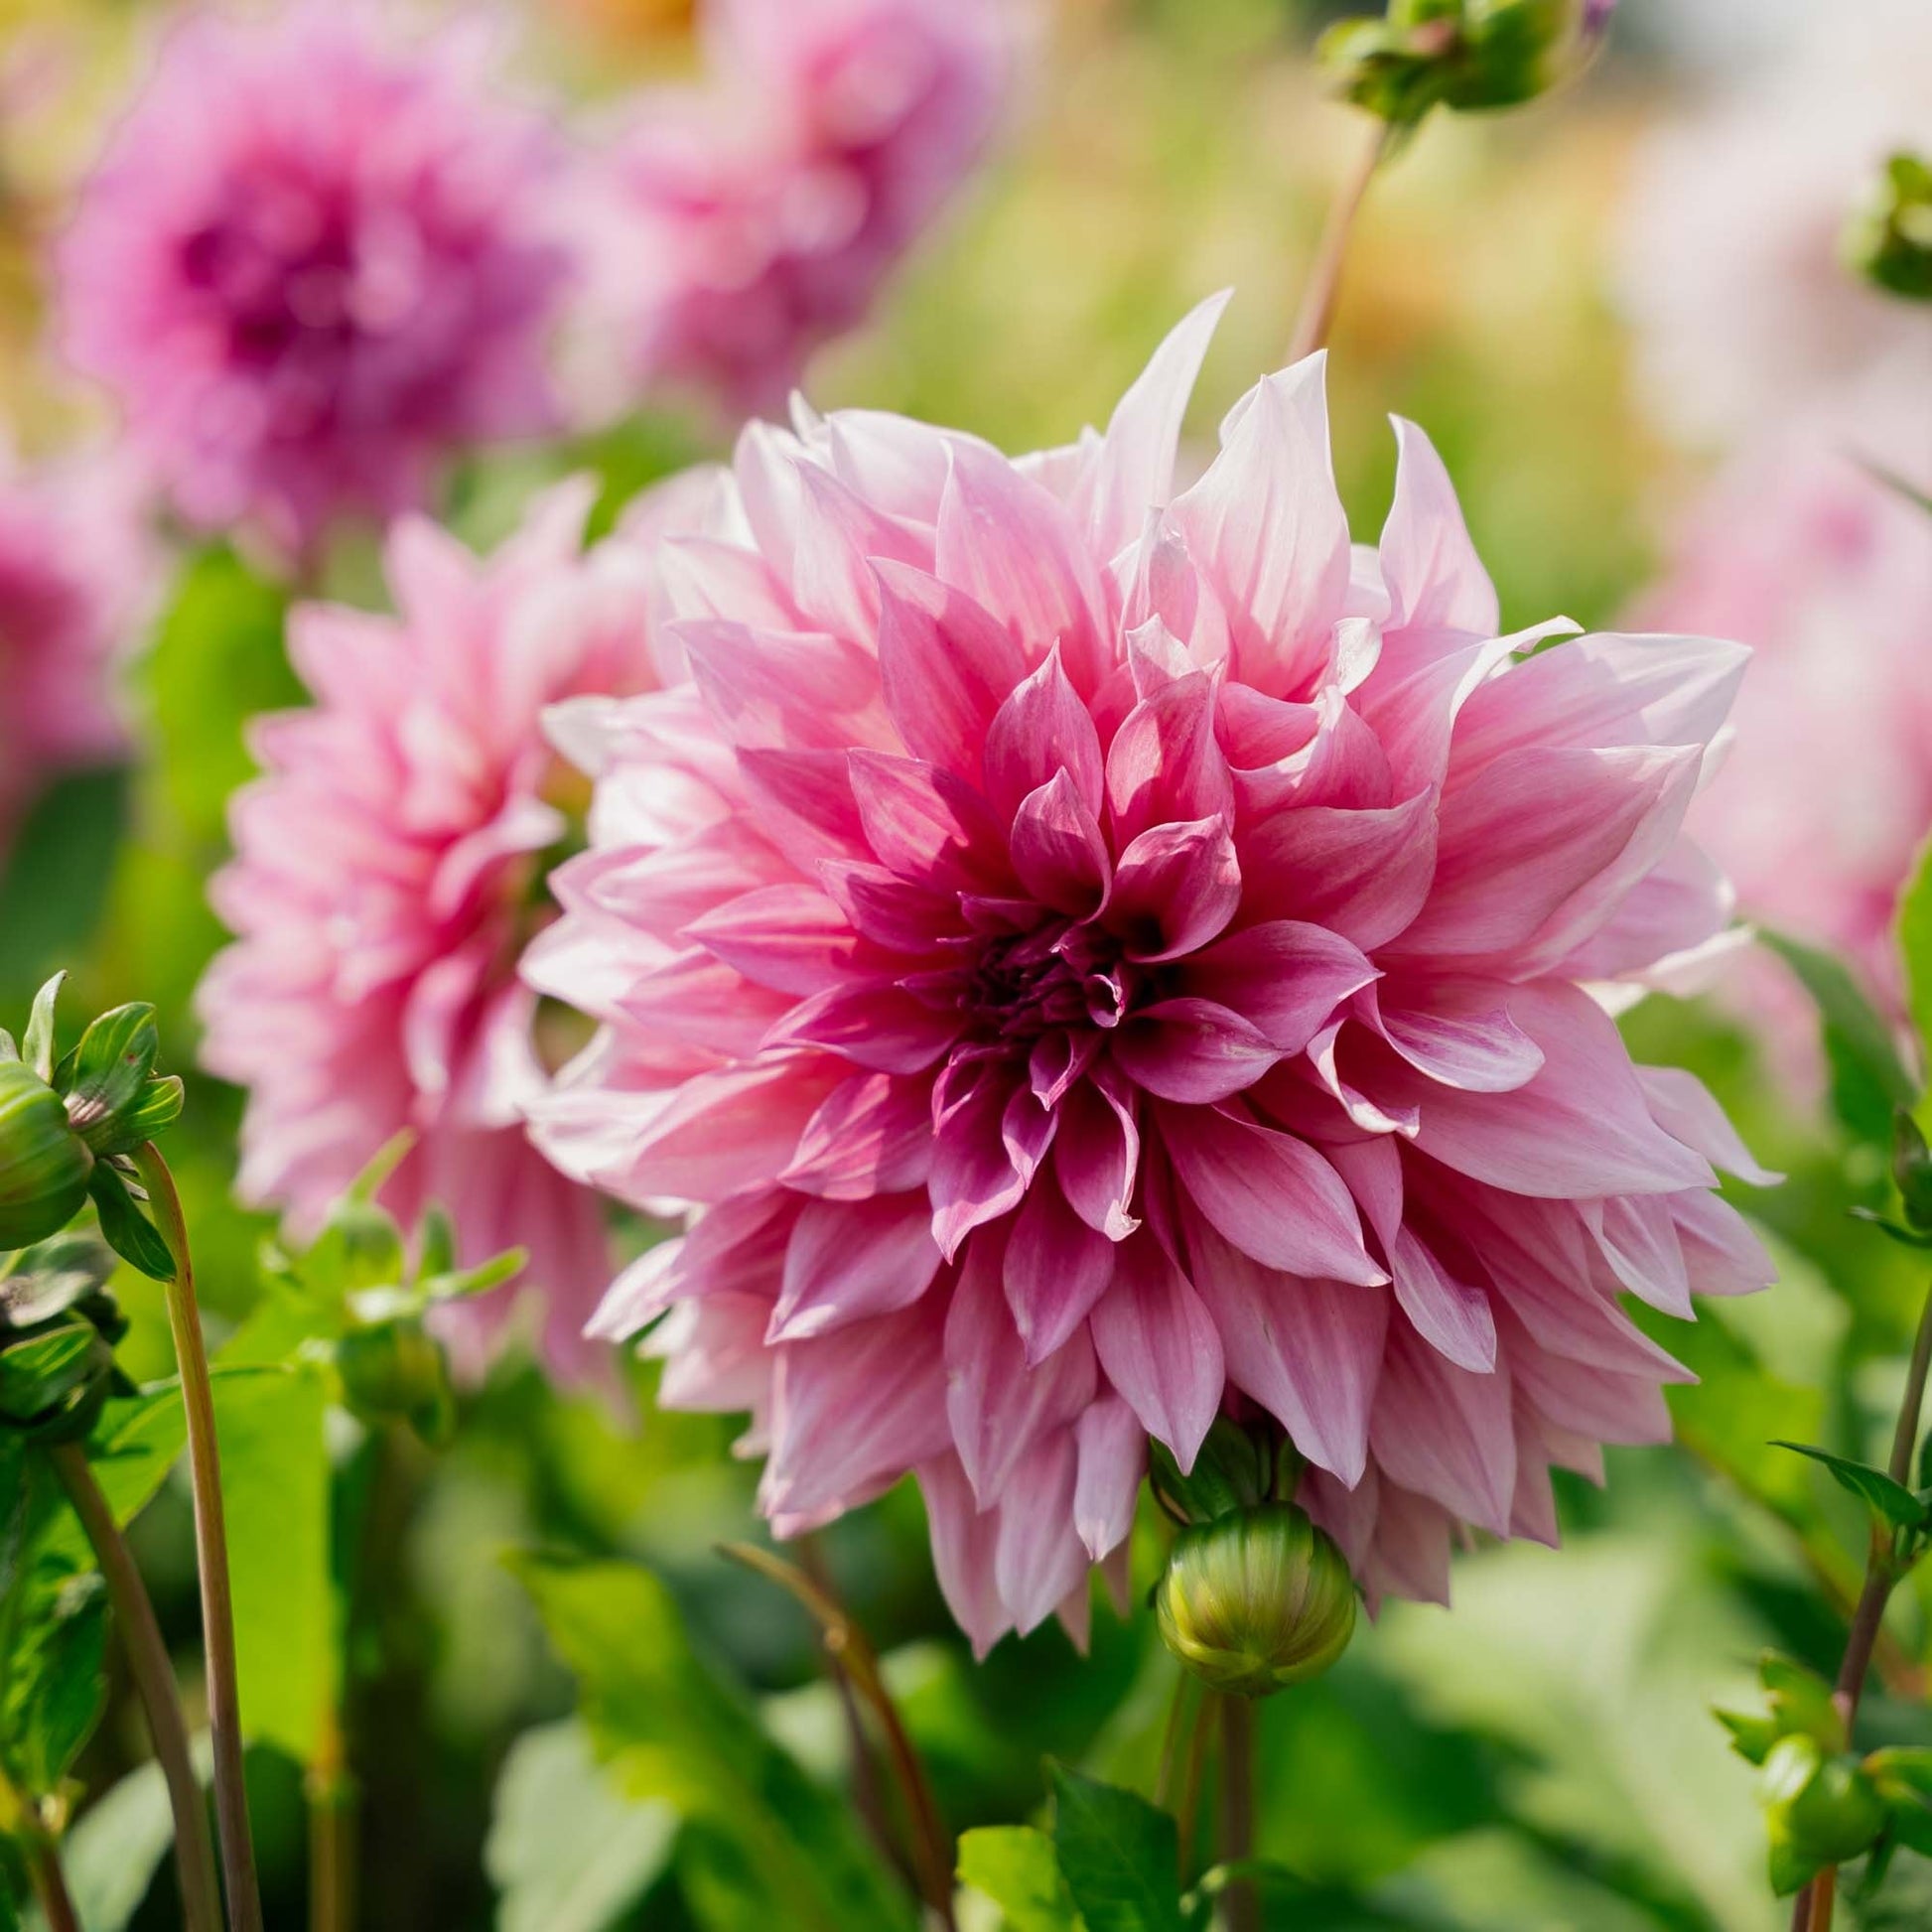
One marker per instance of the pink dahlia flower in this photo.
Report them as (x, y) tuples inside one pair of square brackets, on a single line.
[(738, 224), (388, 868), (312, 261), (1827, 573), (1097, 957), (1729, 262), (75, 572)]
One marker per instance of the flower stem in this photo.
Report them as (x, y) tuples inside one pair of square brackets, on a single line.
[(846, 1644), (50, 1885), (1238, 1809), (330, 1794), (1813, 1911), (1324, 290), (154, 1681), (212, 1548), (1187, 1814), (866, 1794)]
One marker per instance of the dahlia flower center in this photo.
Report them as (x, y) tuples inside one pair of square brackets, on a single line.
[(1064, 975)]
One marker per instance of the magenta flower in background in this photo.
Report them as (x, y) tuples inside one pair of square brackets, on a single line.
[(1827, 572), (735, 225), (312, 262), (76, 571), (1094, 960), (389, 869)]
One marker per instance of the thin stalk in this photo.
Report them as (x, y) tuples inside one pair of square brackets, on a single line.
[(1813, 1912), (1324, 290), (154, 1681), (1187, 1815), (1185, 1685), (331, 1850), (865, 1793), (846, 1644), (50, 1885), (1238, 1809), (211, 1547)]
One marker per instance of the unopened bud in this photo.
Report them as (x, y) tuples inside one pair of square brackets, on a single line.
[(1889, 240), (1255, 1601), (395, 1371), (1821, 1810), (44, 1166)]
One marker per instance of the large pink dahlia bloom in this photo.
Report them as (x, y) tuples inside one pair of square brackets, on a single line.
[(736, 225), (76, 570), (1095, 959), (312, 261), (388, 868)]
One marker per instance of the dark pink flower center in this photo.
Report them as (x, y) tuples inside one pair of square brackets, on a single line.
[(1065, 974)]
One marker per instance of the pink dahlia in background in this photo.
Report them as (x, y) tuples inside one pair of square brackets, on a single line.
[(1729, 262), (735, 225), (1827, 572), (1094, 959), (389, 866), (76, 570), (311, 264)]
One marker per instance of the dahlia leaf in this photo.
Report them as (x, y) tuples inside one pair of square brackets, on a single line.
[(1868, 1080), (1893, 1505), (1120, 1855), (1016, 1867)]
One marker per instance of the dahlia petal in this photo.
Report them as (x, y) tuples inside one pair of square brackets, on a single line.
[(1435, 580), (1059, 851), (639, 1295), (804, 803), (1365, 874), (1041, 729), (1285, 976), (973, 1177), (1580, 1128), (1272, 1196), (1133, 468), (838, 539), (1683, 904), (1309, 1351), (893, 913), (1112, 1450), (1176, 887), (791, 938), (778, 689), (1722, 1255), (1624, 1409), (1057, 1269), (1038, 1560), (1164, 765), (698, 998), (1638, 1238), (1458, 1031), (850, 1259), (875, 1027), (1266, 528), (871, 1134), (1192, 1050), (947, 665), (1445, 1433), (1158, 1347), (925, 824), (1455, 1319), (962, 1552), (1097, 1155), (999, 1406)]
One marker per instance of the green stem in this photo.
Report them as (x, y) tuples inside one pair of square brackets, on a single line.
[(1238, 1809), (1324, 290), (330, 1793), (50, 1885), (1187, 1814), (1813, 1911), (154, 1683), (212, 1548)]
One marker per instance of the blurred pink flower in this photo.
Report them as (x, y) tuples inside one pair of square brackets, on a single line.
[(1827, 795), (1729, 263), (1095, 959), (312, 262), (76, 569), (389, 868), (736, 224)]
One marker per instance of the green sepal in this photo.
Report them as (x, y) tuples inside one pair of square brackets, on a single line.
[(125, 1228), (106, 1074), (36, 1042)]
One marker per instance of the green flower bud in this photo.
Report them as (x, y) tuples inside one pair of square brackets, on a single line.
[(1819, 1811), (1911, 1167), (395, 1371), (1256, 1601), (1889, 240), (44, 1168)]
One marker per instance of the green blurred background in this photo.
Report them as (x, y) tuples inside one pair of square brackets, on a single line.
[(1539, 1759)]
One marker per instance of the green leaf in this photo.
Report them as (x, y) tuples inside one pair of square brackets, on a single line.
[(1890, 1502), (1868, 1080), (1017, 1868), (567, 1851), (669, 1729), (105, 1075), (36, 1042), (37, 1284), (111, 1855), (52, 1676), (1902, 1771), (38, 1376), (1120, 1855), (478, 1280), (125, 1228)]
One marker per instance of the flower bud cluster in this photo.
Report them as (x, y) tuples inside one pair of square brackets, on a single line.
[(1255, 1597), (1468, 55)]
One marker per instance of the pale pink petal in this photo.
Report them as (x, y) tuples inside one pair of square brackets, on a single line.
[(1158, 1347)]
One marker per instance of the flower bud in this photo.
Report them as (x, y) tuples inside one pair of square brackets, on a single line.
[(1821, 1810), (44, 1168), (1255, 1601), (395, 1371), (1889, 239)]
